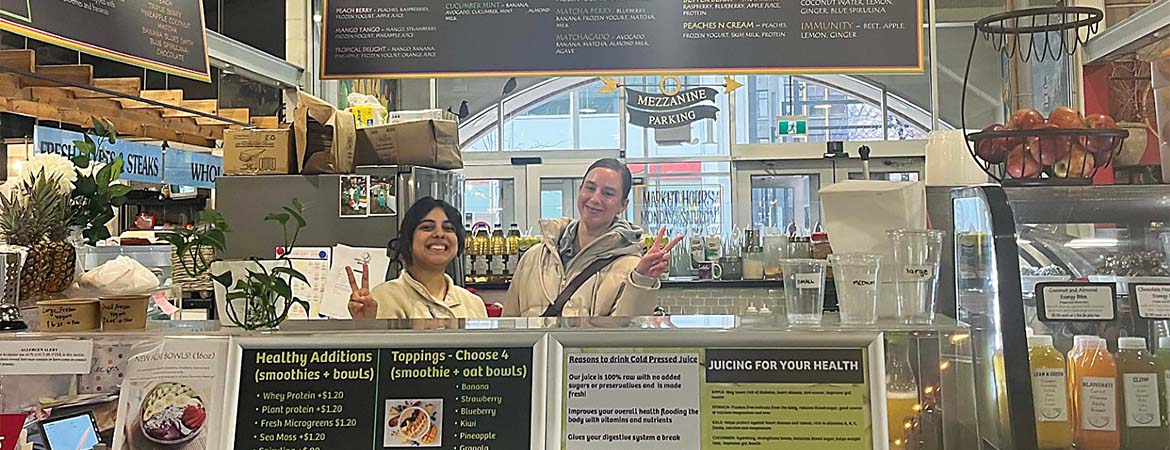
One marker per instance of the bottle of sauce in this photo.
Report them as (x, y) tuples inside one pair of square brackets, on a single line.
[(498, 250), (1144, 405), (512, 242), (1094, 387), (481, 243), (469, 254), (1050, 394)]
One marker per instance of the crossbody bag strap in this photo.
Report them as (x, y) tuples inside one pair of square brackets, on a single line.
[(558, 305)]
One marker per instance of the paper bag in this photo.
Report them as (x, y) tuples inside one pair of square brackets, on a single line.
[(325, 136), (428, 143), (857, 214)]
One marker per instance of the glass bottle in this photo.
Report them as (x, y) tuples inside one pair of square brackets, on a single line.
[(775, 249), (498, 246), (1050, 394), (753, 263), (482, 253), (512, 247), (901, 391), (469, 253), (1143, 414), (1094, 387)]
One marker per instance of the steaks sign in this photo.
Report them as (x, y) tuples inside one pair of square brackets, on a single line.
[(660, 111)]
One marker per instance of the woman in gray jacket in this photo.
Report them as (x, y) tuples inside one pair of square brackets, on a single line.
[(601, 251)]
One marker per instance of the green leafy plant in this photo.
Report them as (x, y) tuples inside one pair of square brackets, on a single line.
[(96, 193), (190, 244), (266, 294)]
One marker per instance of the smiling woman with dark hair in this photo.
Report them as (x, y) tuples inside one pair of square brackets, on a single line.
[(428, 240)]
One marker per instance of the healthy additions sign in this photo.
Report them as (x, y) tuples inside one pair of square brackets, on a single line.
[(412, 39), (671, 111), (717, 398), (144, 163), (163, 35)]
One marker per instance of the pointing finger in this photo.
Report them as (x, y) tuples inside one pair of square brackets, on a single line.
[(353, 286), (366, 277), (672, 243)]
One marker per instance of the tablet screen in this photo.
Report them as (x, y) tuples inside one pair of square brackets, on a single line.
[(71, 433)]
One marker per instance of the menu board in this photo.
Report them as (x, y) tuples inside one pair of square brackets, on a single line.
[(716, 398), (384, 398), (163, 35), (423, 38)]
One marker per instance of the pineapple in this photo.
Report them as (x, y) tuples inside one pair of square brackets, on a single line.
[(36, 215)]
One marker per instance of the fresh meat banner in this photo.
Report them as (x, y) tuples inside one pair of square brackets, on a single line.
[(142, 162), (459, 38), (163, 35)]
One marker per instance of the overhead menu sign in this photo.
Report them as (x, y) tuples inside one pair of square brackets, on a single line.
[(465, 398), (421, 38), (196, 169), (720, 398), (163, 35), (142, 162)]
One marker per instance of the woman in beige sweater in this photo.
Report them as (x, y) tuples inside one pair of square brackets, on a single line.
[(429, 239)]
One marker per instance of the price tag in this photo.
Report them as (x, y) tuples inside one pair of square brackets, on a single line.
[(58, 357), (808, 280), (1151, 299), (1077, 301)]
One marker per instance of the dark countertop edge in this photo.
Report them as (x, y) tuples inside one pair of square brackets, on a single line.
[(669, 284)]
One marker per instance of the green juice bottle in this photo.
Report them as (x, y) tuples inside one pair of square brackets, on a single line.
[(1143, 399)]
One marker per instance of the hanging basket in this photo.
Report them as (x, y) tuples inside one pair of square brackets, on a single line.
[(1047, 156)]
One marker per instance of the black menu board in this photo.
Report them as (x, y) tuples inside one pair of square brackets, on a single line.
[(384, 398), (423, 38), (163, 35)]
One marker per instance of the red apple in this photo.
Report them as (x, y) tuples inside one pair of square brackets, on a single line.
[(1080, 163), (1027, 119), (1066, 117), (1021, 165), (1049, 149), (993, 150), (1100, 144)]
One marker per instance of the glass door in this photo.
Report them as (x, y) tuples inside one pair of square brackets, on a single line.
[(495, 194), (781, 195)]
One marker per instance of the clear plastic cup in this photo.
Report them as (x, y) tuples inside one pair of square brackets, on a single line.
[(804, 290), (856, 276), (916, 258)]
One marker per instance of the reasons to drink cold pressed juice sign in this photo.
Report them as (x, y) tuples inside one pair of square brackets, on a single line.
[(716, 398), (384, 398), (410, 38)]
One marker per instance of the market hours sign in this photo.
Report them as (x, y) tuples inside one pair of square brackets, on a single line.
[(671, 111)]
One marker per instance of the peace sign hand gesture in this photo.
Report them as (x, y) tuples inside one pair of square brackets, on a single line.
[(361, 304), (656, 261)]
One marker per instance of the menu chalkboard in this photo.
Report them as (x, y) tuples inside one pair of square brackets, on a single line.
[(163, 35), (384, 398), (422, 38)]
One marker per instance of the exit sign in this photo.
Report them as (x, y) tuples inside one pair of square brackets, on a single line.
[(792, 126)]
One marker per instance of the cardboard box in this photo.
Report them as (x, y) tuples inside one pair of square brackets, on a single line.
[(429, 143), (258, 152)]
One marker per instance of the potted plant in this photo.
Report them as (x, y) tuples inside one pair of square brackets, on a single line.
[(258, 295), (196, 248)]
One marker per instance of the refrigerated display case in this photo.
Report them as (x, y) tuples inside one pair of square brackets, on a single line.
[(1014, 244)]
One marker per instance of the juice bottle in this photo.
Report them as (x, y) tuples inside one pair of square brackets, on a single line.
[(512, 242), (1050, 394), (1162, 358), (1144, 405), (469, 254), (498, 249), (1094, 387), (482, 254), (901, 391)]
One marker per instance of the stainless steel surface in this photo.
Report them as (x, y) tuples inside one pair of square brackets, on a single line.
[(231, 55), (1130, 35)]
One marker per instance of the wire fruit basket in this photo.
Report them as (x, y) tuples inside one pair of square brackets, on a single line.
[(1030, 149)]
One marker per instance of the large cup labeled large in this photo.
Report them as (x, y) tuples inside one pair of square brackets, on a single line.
[(916, 259)]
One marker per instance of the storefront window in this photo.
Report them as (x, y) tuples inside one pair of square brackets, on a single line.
[(686, 198), (558, 197), (490, 201), (784, 202)]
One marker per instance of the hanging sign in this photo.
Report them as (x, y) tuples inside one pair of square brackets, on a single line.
[(163, 35), (195, 169), (670, 111), (142, 162), (419, 39)]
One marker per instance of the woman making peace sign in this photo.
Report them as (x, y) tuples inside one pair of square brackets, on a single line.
[(427, 242)]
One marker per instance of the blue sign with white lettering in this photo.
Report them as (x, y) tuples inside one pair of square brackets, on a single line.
[(196, 169), (141, 162)]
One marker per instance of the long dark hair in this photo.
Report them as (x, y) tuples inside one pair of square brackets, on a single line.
[(399, 249)]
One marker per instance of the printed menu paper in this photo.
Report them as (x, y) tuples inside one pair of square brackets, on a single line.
[(55, 357), (173, 395)]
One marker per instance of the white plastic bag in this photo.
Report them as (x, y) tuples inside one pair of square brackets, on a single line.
[(119, 276)]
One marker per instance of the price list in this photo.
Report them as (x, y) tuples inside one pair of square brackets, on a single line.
[(307, 399)]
